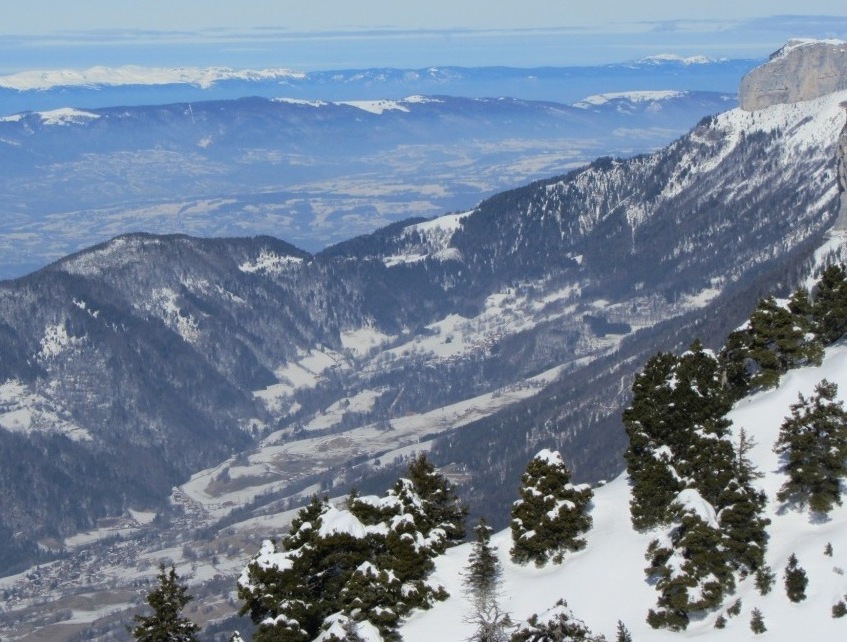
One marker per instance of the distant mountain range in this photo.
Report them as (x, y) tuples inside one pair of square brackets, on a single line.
[(117, 86), (313, 172)]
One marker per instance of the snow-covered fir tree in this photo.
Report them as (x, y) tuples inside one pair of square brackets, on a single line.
[(795, 580), (687, 475), (365, 565), (830, 304), (690, 568), (676, 427), (481, 581), (741, 506), (813, 443), (777, 339), (166, 624), (557, 624), (551, 514), (442, 507)]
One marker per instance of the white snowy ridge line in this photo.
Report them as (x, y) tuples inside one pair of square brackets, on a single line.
[(372, 106), (685, 60), (633, 96), (797, 43), (203, 77)]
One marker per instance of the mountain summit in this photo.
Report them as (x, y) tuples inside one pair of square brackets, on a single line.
[(801, 70)]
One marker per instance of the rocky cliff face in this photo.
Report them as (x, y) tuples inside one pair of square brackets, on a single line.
[(801, 70), (841, 151)]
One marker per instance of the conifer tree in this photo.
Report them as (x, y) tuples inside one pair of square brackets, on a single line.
[(363, 567), (483, 573), (676, 426), (741, 512), (830, 304), (442, 507), (813, 441), (734, 608), (371, 594), (166, 624), (795, 580), (764, 579), (556, 625), (551, 514), (623, 634), (691, 571), (736, 364), (757, 622), (482, 583), (775, 340)]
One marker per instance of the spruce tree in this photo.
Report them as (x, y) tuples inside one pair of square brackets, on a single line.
[(764, 579), (795, 580), (442, 507), (734, 608), (676, 425), (649, 428), (778, 341), (623, 634), (481, 580), (690, 569), (741, 511), (364, 566), (556, 625), (736, 364), (551, 514), (830, 304), (483, 573), (166, 624), (757, 622), (813, 441)]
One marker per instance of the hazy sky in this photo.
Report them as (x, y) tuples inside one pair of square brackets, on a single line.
[(313, 34)]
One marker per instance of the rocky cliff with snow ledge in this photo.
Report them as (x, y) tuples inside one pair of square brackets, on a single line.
[(801, 70)]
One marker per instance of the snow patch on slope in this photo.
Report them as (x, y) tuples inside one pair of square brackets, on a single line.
[(269, 263), (23, 410), (376, 106), (615, 550), (810, 126), (55, 341), (164, 303), (430, 239)]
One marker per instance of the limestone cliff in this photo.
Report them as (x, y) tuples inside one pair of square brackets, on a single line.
[(801, 70)]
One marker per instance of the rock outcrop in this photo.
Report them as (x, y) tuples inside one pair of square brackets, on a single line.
[(801, 70)]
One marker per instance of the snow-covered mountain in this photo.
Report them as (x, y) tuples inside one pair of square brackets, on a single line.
[(605, 582), (313, 171), (245, 374), (104, 86)]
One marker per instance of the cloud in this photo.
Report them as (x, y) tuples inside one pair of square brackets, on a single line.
[(821, 26)]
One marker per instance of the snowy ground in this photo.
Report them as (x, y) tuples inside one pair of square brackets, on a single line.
[(606, 583)]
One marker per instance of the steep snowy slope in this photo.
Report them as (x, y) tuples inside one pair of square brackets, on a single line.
[(605, 582)]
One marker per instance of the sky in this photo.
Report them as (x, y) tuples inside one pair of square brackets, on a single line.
[(329, 34)]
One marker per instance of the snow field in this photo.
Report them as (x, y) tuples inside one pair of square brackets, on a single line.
[(605, 582)]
